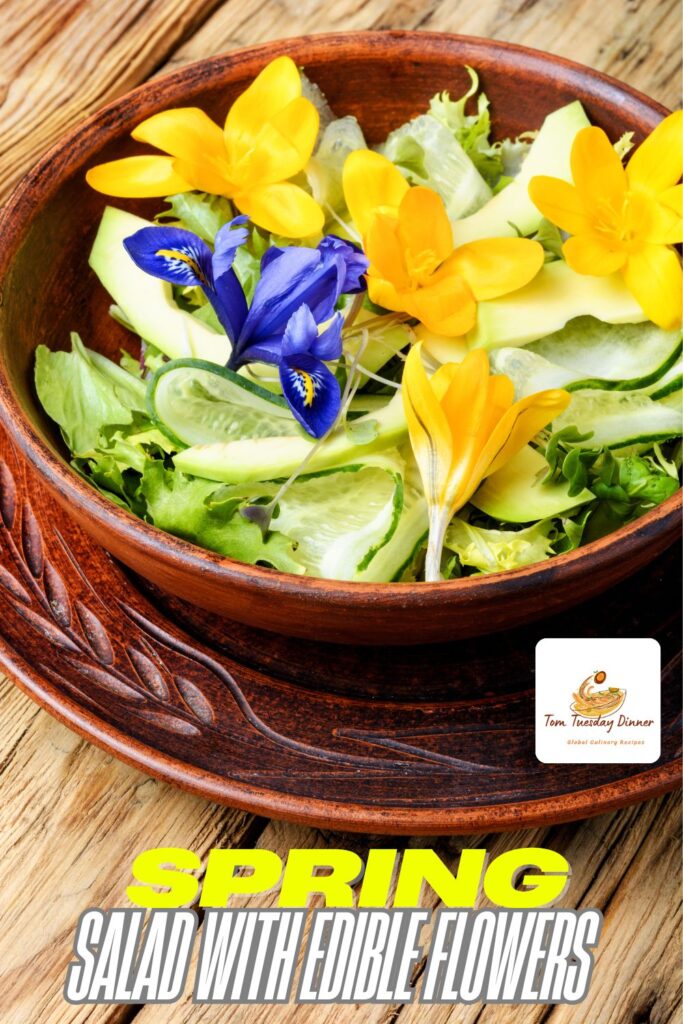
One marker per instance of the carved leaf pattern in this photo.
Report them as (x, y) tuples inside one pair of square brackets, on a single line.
[(50, 632), (8, 495), (195, 700), (57, 595), (15, 588), (95, 634), (91, 655), (109, 681), (171, 722), (149, 673), (31, 541)]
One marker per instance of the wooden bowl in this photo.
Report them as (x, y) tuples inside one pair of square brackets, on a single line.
[(47, 291)]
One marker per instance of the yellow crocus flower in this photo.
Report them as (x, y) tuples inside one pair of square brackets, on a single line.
[(463, 426), (624, 219), (408, 239), (268, 137)]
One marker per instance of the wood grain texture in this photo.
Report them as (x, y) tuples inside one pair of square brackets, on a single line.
[(60, 61), (637, 41), (610, 861), (623, 859)]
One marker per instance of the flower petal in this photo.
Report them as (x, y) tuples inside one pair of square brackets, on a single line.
[(197, 143), (186, 132), (518, 425), (354, 259), (597, 170), (496, 266), (384, 293), (328, 344), (560, 202), (271, 91), (300, 332), (173, 254), (464, 405), (589, 254), (230, 304), (385, 252), (290, 277), (446, 306), (226, 243), (298, 123), (138, 177), (428, 428), (423, 226), (654, 278), (371, 182), (283, 209), (657, 164), (312, 392), (282, 147), (667, 217)]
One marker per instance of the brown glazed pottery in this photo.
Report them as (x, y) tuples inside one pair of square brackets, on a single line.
[(47, 291)]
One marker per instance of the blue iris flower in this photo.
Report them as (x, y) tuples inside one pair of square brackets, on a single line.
[(296, 295)]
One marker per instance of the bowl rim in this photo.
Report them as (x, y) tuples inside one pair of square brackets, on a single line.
[(46, 176)]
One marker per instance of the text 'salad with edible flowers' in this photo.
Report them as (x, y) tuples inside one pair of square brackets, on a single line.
[(413, 361)]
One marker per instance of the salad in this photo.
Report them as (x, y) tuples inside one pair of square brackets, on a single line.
[(439, 356)]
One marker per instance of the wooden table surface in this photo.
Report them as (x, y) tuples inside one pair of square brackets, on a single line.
[(72, 817)]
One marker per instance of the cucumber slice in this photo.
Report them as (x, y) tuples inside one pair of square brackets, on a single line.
[(145, 301), (516, 492), (272, 458), (529, 372), (620, 418), (342, 519), (673, 399), (201, 403), (556, 295), (670, 383), (392, 559), (512, 210), (618, 356)]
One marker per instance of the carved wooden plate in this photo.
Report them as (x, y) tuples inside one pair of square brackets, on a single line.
[(433, 739)]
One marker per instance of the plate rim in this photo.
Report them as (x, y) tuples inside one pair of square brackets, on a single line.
[(338, 816)]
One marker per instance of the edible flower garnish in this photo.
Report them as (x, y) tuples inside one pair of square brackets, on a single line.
[(291, 323), (624, 219), (463, 426), (408, 239), (268, 138)]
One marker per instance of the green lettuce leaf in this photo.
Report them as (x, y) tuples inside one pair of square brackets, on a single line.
[(497, 162), (197, 211), (83, 392), (428, 153), (496, 550), (177, 503)]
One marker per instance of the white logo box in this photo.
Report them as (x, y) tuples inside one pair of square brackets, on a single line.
[(629, 735)]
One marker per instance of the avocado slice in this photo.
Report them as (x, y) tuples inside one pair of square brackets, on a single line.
[(556, 295), (516, 492), (146, 302), (511, 212), (274, 458)]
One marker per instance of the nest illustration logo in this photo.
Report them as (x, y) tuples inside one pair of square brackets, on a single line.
[(598, 715)]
